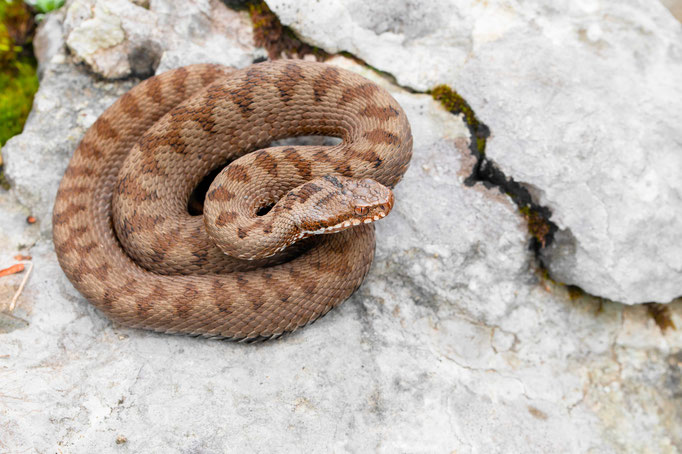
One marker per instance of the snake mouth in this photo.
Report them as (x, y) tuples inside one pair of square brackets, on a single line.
[(343, 225)]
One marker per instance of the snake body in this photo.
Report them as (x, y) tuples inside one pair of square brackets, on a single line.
[(126, 241)]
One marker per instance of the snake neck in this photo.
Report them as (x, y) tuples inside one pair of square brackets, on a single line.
[(267, 217)]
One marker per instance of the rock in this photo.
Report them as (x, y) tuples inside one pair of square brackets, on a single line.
[(119, 38), (452, 335), (602, 152)]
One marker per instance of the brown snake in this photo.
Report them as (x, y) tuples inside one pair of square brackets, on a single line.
[(124, 236)]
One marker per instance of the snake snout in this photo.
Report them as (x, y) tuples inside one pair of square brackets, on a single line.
[(372, 200), (343, 203)]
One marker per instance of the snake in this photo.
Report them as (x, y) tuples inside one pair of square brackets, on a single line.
[(286, 233)]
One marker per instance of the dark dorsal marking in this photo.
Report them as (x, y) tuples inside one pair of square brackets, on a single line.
[(104, 129), (242, 96), (138, 223), (361, 92), (265, 161), (325, 82), (79, 171), (333, 180), (237, 172), (178, 79), (302, 165), (171, 138), (380, 113), (151, 165), (74, 191), (131, 189), (69, 212), (226, 217), (380, 136), (308, 191), (220, 194), (154, 90), (183, 304), (89, 150), (130, 106), (209, 74), (286, 84)]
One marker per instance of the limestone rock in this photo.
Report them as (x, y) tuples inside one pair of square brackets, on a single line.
[(118, 38), (584, 101), (453, 343)]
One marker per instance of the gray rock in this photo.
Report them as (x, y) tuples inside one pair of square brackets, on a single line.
[(118, 38), (453, 343), (584, 102)]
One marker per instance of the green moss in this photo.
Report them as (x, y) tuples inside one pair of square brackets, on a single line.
[(45, 6), (18, 84), (480, 145), (454, 102), (18, 78)]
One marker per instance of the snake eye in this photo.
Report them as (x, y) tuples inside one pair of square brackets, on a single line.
[(361, 210)]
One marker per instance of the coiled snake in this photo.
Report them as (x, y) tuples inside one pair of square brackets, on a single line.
[(121, 226)]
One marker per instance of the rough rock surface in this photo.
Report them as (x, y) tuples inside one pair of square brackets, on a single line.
[(117, 38), (454, 343), (584, 101)]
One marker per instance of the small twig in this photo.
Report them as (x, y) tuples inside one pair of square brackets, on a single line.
[(21, 287)]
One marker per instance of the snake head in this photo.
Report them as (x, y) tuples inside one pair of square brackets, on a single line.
[(335, 203)]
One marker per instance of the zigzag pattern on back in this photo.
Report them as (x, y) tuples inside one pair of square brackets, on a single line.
[(126, 241)]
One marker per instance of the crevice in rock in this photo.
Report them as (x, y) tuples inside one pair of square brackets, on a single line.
[(144, 59), (540, 227), (269, 33), (280, 40), (662, 315)]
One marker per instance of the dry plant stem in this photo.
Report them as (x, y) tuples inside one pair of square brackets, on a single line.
[(13, 303)]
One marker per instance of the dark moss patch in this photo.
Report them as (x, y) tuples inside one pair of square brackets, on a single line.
[(661, 315), (4, 184), (17, 86), (456, 104), (277, 39), (539, 227), (18, 78), (575, 292)]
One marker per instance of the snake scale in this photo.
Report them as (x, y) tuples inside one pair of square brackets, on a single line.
[(125, 239)]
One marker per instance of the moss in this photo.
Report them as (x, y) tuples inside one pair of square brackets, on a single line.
[(4, 184), (538, 226), (480, 145), (18, 78), (575, 292), (45, 6), (661, 315), (278, 40), (454, 102), (17, 87)]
